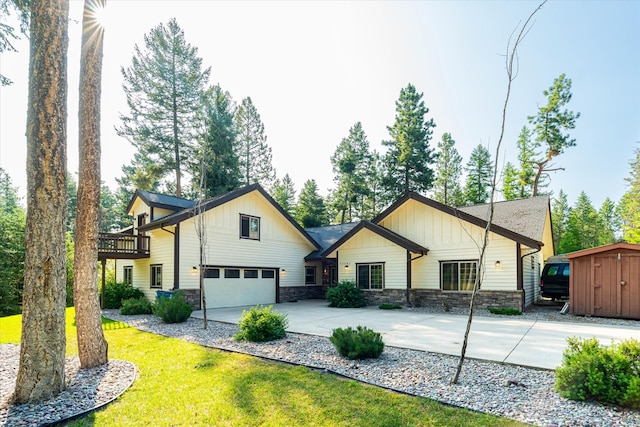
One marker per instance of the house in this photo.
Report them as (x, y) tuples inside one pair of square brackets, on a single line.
[(417, 251)]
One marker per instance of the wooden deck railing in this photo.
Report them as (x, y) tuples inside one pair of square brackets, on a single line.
[(114, 245)]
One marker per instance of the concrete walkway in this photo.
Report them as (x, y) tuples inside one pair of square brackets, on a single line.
[(523, 342)]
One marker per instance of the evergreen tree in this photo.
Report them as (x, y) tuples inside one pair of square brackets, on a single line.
[(311, 211), (479, 176), (284, 193), (12, 223), (253, 151), (629, 206), (551, 124), (351, 165), (408, 158), (7, 32), (510, 182), (164, 86), (560, 212), (374, 202), (527, 173), (582, 226), (446, 187), (72, 202), (608, 222), (221, 165)]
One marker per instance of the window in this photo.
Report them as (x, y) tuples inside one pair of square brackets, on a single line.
[(268, 274), (249, 227), (370, 276), (310, 276), (212, 273), (156, 276), (458, 275), (251, 274), (128, 274), (231, 273)]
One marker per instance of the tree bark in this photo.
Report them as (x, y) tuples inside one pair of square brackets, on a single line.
[(42, 353), (92, 346)]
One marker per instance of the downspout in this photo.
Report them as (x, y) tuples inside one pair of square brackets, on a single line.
[(520, 273)]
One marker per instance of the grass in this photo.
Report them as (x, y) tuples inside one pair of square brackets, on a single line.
[(185, 384), (390, 307), (505, 311)]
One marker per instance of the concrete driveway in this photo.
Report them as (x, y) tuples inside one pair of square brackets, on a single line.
[(516, 341)]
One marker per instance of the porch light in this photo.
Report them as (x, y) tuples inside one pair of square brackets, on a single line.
[(283, 272), (346, 267), (498, 264), (194, 268)]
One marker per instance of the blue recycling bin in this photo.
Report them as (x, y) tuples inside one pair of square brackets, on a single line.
[(164, 294)]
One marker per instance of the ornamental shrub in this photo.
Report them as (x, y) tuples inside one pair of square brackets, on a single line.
[(346, 294), (390, 307), (505, 311), (116, 292), (359, 343), (261, 324), (604, 374), (133, 306), (174, 309)]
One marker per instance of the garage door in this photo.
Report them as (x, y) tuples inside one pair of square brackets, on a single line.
[(234, 287)]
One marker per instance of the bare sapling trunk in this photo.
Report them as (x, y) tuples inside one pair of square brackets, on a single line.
[(42, 352), (92, 346), (511, 58), (201, 231)]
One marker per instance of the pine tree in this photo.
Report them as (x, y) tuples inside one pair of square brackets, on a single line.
[(479, 175), (284, 192), (12, 223), (608, 222), (560, 212), (351, 164), (629, 206), (7, 32), (408, 158), (510, 182), (253, 151), (311, 211), (582, 226), (221, 165), (551, 124), (164, 86), (374, 202), (446, 187)]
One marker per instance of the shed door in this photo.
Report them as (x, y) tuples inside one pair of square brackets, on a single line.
[(629, 284), (616, 286)]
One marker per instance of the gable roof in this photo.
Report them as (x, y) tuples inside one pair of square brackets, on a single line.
[(380, 231), (158, 200), (216, 201), (463, 215), (327, 236), (526, 217), (605, 248)]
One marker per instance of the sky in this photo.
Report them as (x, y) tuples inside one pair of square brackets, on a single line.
[(314, 69)]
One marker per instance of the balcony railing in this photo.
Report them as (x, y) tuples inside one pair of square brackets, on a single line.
[(122, 246)]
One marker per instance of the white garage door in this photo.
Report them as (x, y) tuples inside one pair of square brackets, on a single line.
[(234, 287)]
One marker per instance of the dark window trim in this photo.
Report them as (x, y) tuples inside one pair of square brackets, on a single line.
[(249, 218), (151, 284), (229, 270), (456, 261), (315, 275), (211, 273), (358, 264), (270, 272), (251, 276), (124, 274)]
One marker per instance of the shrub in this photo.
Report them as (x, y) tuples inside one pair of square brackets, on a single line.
[(389, 307), (10, 299), (261, 324), (175, 309), (359, 343), (116, 292), (346, 295), (604, 374), (505, 311), (132, 306)]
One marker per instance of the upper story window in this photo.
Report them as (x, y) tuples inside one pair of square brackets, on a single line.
[(249, 227)]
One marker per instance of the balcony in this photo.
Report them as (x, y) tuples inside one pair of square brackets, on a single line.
[(122, 246)]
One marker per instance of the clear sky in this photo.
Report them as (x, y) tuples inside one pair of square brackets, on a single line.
[(313, 69)]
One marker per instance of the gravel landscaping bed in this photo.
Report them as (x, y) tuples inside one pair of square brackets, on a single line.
[(483, 386)]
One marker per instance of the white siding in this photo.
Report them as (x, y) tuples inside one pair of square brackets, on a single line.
[(531, 267), (161, 253)]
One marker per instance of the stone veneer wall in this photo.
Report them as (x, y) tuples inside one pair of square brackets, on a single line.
[(386, 296), (295, 293), (484, 299), (193, 297)]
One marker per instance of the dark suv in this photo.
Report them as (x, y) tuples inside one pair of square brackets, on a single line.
[(554, 282)]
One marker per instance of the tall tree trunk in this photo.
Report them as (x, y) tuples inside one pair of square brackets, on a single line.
[(43, 344), (92, 346)]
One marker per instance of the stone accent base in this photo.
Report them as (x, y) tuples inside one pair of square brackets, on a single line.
[(484, 299), (193, 298), (295, 293), (386, 296)]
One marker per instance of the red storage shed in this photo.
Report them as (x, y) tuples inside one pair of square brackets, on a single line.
[(605, 281)]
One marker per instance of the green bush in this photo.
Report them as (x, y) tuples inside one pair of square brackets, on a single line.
[(505, 311), (116, 292), (175, 309), (261, 324), (604, 374), (359, 343), (10, 299), (346, 294), (133, 306), (389, 307)]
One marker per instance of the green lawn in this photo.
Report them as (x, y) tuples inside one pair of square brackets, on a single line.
[(183, 384)]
